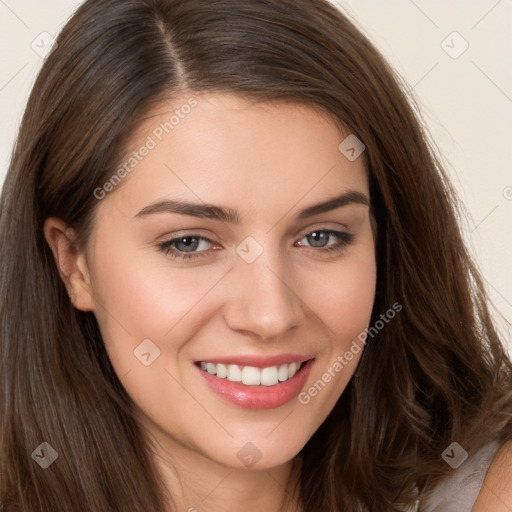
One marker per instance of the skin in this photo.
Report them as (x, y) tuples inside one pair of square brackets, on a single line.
[(267, 162), (496, 492)]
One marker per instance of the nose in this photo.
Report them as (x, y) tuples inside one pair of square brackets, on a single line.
[(262, 301)]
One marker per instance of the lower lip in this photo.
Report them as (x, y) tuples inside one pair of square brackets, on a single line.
[(259, 397)]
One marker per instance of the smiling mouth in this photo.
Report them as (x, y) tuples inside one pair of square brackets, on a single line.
[(250, 375), (246, 382)]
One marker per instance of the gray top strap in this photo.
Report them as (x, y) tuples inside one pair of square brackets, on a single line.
[(459, 491)]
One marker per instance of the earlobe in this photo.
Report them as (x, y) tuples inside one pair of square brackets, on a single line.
[(71, 263)]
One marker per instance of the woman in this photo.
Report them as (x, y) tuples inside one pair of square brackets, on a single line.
[(233, 277)]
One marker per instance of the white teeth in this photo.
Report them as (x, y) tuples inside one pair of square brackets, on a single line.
[(292, 369), (282, 373), (234, 373), (269, 376), (251, 376), (222, 371)]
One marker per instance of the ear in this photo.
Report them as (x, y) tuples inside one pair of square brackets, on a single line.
[(71, 263)]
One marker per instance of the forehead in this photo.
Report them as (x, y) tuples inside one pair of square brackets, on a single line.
[(229, 149)]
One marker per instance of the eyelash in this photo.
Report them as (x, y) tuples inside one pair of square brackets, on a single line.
[(344, 240)]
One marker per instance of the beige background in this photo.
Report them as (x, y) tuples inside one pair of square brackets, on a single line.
[(456, 58)]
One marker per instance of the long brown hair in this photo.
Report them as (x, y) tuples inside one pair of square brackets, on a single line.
[(437, 373)]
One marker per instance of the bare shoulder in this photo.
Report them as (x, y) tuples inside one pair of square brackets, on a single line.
[(496, 492)]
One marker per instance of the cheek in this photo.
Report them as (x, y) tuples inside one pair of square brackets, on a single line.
[(344, 299), (138, 288), (344, 302), (352, 312), (345, 296), (138, 297)]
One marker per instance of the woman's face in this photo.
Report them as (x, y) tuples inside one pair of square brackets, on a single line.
[(251, 273)]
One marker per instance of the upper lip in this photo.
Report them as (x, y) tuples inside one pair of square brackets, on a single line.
[(258, 361)]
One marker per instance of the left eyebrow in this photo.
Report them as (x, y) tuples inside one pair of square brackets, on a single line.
[(350, 197), (229, 215)]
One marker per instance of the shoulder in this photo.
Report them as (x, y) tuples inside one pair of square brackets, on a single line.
[(496, 492), (459, 490)]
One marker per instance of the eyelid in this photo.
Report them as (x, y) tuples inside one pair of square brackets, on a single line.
[(322, 227), (193, 232), (196, 233), (345, 238)]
